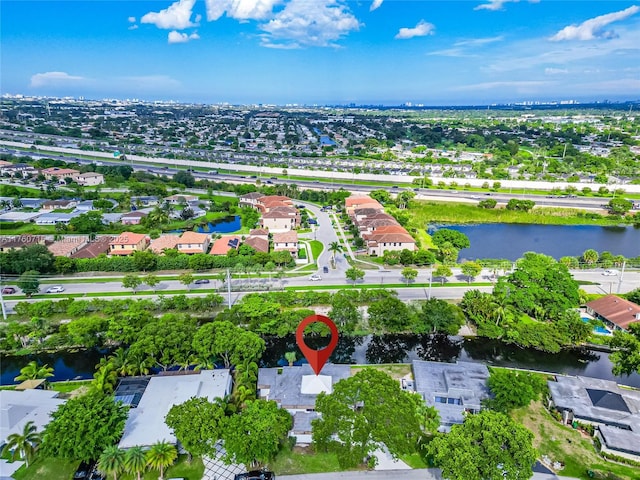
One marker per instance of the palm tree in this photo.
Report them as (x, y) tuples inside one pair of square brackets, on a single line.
[(104, 380), (335, 248), (161, 455), (111, 462), (120, 361), (32, 371), (135, 461), (24, 444), (290, 357)]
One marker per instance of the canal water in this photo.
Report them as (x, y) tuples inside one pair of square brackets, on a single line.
[(510, 241), (372, 350)]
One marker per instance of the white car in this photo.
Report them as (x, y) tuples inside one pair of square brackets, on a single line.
[(611, 273), (55, 289), (315, 278)]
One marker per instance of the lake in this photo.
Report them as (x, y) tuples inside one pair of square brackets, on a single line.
[(372, 350), (224, 225), (510, 241)]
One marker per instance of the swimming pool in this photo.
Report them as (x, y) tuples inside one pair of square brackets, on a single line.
[(598, 329)]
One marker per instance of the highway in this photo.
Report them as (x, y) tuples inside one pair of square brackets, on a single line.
[(329, 180)]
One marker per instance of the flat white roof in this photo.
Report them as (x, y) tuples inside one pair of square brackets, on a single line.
[(19, 407), (145, 425)]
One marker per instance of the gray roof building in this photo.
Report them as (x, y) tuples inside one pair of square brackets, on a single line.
[(615, 410), (19, 407), (296, 388), (452, 388)]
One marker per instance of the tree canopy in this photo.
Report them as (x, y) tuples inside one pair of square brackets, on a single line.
[(487, 445), (255, 435), (366, 410), (83, 427), (539, 286), (458, 239), (512, 389), (626, 359), (197, 424)]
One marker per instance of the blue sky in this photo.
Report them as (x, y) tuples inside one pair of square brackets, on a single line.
[(323, 51)]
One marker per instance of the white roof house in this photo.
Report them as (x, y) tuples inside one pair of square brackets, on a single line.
[(19, 407), (145, 425)]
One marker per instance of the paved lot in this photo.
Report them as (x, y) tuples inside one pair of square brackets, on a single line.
[(216, 469)]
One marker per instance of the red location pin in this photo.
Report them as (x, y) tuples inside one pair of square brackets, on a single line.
[(317, 358)]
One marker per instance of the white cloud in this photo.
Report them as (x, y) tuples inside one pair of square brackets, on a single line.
[(375, 5), (302, 23), (420, 30), (476, 42), (451, 52), (133, 27), (495, 5), (179, 37), (54, 79), (555, 71), (241, 9), (131, 19), (594, 28), (177, 15)]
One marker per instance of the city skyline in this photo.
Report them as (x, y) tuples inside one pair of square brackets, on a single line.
[(324, 51)]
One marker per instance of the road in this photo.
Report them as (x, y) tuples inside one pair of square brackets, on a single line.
[(336, 278)]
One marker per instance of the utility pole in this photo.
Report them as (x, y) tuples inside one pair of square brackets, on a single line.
[(430, 279), (229, 288), (624, 264), (4, 310)]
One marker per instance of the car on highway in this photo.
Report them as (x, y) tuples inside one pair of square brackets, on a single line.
[(201, 281), (315, 278), (611, 273), (55, 289), (8, 290)]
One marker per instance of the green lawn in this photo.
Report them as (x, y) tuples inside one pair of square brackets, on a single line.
[(427, 212), (68, 386), (48, 469), (394, 370), (316, 248), (564, 444), (304, 460)]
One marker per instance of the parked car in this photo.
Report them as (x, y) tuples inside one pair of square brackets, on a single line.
[(55, 289), (611, 273), (315, 278), (8, 290), (325, 269), (201, 281), (256, 475)]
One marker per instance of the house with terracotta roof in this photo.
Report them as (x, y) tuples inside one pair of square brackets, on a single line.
[(67, 246), (192, 242), (89, 179), (361, 201), (286, 241), (259, 232), (250, 199), (56, 173), (94, 248), (132, 218), (615, 312), (378, 243), (281, 219), (164, 242), (361, 213), (225, 243), (18, 242), (259, 244), (127, 243), (269, 202)]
